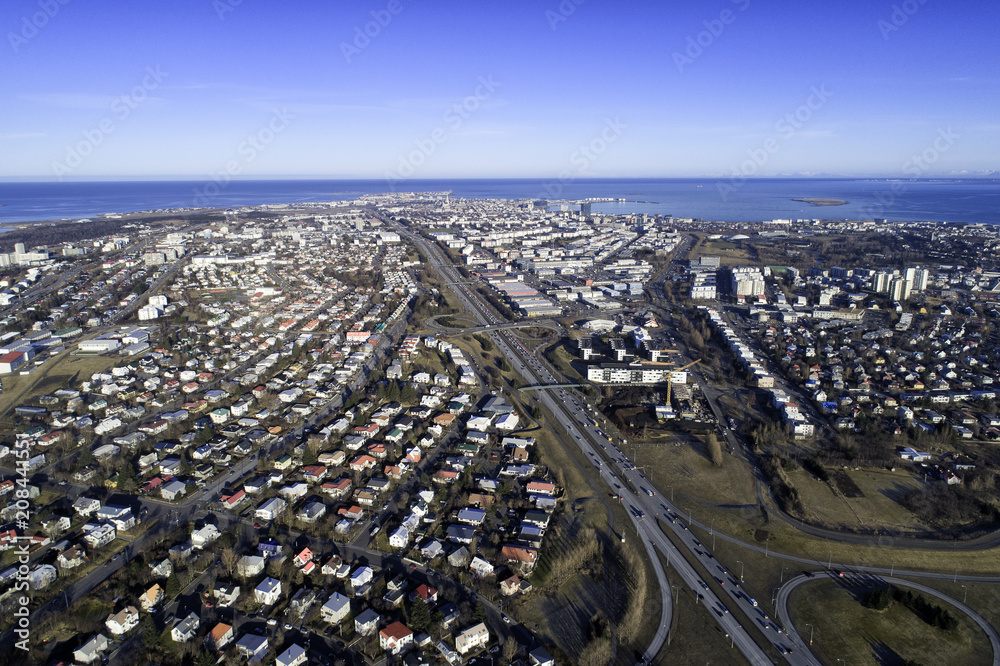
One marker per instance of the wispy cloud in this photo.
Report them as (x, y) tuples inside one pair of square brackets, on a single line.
[(11, 136), (70, 100)]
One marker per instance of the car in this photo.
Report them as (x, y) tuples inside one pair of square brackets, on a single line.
[(271, 622), (506, 619), (839, 573), (719, 581), (703, 584), (287, 627)]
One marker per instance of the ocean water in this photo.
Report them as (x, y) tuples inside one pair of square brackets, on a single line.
[(965, 201)]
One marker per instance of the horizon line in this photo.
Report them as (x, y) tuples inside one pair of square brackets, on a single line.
[(187, 179)]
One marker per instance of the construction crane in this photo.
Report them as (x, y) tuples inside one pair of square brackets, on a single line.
[(670, 383)]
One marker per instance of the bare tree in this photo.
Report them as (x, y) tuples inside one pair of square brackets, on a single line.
[(230, 558)]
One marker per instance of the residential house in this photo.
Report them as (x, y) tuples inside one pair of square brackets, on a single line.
[(185, 629), (366, 623), (252, 647), (395, 638), (268, 591), (173, 489), (295, 655), (149, 599), (336, 608), (123, 621), (480, 567), (99, 535), (472, 638), (71, 558), (92, 650), (226, 594), (270, 509), (219, 637)]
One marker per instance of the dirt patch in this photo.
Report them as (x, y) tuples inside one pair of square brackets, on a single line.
[(845, 485)]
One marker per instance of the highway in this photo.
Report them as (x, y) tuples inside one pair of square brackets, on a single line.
[(573, 417)]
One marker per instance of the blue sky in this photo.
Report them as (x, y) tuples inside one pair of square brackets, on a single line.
[(584, 88)]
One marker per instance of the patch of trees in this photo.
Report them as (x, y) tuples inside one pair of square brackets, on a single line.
[(943, 506), (931, 613), (815, 467), (784, 492)]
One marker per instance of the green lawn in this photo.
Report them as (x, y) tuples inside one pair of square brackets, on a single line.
[(846, 630)]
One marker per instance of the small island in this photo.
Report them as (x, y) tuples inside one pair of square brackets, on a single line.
[(823, 202)]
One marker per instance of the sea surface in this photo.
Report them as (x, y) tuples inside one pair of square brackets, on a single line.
[(967, 201)]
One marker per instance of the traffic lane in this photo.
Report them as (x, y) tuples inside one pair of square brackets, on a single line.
[(772, 631), (740, 636)]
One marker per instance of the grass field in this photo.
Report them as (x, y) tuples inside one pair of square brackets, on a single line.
[(680, 468), (63, 371), (875, 509), (846, 630)]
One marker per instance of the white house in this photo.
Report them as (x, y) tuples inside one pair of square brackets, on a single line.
[(400, 537), (100, 535), (185, 629), (361, 576), (474, 637), (123, 621), (92, 649), (204, 536), (271, 509), (395, 638), (250, 565), (268, 591), (293, 656), (367, 622), (251, 646), (336, 608), (172, 489)]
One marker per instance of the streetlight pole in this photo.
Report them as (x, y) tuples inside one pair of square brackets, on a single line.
[(741, 571), (830, 563), (811, 628), (767, 543), (893, 567), (713, 534), (965, 594)]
